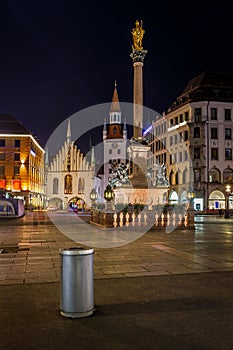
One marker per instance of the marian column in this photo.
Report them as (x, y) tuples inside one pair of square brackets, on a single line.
[(138, 55), (138, 151), (141, 189)]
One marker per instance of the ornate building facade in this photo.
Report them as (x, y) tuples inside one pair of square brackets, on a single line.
[(194, 138), (21, 163), (68, 177)]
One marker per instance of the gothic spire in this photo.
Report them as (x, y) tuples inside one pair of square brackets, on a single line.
[(68, 134), (115, 105), (115, 110)]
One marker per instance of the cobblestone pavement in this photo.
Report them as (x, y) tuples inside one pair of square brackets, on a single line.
[(29, 251)]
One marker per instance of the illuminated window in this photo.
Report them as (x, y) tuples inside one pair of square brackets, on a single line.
[(68, 184), (228, 175), (214, 175), (172, 178)]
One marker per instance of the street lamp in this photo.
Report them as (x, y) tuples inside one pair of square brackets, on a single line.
[(93, 195), (228, 190), (108, 193), (109, 196), (190, 196)]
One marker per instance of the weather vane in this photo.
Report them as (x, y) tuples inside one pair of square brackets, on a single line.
[(137, 34)]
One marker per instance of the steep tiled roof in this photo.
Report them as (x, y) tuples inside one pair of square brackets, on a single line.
[(9, 125), (115, 105)]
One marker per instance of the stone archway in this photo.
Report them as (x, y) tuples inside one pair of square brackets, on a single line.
[(216, 200), (77, 204)]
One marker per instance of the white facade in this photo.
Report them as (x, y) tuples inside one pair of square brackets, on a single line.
[(114, 140), (69, 177)]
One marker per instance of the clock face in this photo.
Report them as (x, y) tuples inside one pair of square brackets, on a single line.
[(114, 145)]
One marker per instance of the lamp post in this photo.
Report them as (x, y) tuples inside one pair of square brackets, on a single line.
[(93, 196), (190, 196), (228, 190), (109, 196)]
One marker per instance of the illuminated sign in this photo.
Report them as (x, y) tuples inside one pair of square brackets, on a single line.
[(16, 185), (147, 130), (32, 153), (177, 126)]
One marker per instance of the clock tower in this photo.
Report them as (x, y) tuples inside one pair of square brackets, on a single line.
[(114, 139)]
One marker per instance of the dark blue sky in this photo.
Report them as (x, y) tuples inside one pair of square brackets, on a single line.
[(58, 57)]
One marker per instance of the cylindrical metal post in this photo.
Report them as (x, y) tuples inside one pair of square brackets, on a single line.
[(77, 282)]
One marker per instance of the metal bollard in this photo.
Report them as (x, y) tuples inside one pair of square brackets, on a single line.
[(77, 282)]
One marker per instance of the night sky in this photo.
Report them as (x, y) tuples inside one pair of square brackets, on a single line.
[(58, 57)]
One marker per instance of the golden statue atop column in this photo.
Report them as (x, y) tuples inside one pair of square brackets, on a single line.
[(138, 54), (137, 34)]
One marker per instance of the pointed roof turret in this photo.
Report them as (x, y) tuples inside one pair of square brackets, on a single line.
[(115, 110), (115, 105), (68, 134)]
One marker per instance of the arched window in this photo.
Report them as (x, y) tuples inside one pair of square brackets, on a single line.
[(177, 178), (81, 185), (214, 175), (183, 197), (172, 178), (68, 184), (185, 176), (55, 186), (228, 175)]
